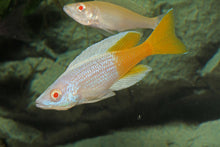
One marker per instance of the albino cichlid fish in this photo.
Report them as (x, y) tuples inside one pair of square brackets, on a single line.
[(108, 16), (109, 65)]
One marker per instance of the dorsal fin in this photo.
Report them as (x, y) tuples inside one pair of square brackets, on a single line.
[(128, 41), (119, 41)]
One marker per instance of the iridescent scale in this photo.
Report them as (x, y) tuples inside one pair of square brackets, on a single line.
[(96, 74)]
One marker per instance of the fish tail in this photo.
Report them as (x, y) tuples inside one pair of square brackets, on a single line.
[(163, 39)]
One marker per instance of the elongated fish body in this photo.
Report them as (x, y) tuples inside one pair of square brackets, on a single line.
[(108, 16), (109, 65)]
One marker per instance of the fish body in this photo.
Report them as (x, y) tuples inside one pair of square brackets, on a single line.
[(108, 16), (109, 65)]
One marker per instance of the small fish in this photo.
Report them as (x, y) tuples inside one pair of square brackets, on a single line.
[(109, 65), (108, 16)]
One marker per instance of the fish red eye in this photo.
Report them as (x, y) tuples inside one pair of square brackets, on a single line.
[(80, 7), (55, 94)]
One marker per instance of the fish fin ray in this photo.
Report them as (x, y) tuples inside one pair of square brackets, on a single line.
[(109, 31), (133, 76), (163, 39), (107, 94), (105, 33), (128, 41), (107, 45)]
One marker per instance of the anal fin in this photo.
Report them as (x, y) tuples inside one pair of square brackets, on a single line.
[(136, 74)]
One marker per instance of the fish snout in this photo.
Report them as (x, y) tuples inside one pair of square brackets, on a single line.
[(39, 103), (67, 9)]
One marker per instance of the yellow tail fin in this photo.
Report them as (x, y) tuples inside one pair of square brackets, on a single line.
[(163, 39)]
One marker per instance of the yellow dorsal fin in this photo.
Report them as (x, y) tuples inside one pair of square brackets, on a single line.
[(136, 74), (128, 41), (123, 40)]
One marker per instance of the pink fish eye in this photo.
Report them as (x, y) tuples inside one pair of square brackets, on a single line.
[(55, 94)]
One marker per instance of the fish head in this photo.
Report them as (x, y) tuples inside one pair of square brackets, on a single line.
[(60, 95), (84, 13)]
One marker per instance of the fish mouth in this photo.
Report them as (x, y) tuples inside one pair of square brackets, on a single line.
[(73, 14), (39, 104), (70, 12), (67, 9)]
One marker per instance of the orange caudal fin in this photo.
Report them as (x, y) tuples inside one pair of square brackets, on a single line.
[(163, 39)]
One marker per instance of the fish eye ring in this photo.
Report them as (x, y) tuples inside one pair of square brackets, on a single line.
[(55, 94), (81, 7)]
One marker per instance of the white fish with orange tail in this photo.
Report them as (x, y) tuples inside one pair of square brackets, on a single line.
[(109, 65), (108, 16)]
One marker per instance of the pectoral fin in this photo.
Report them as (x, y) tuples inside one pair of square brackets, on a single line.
[(132, 77), (104, 95)]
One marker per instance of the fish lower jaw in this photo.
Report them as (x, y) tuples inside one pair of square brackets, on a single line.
[(43, 106), (49, 107)]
